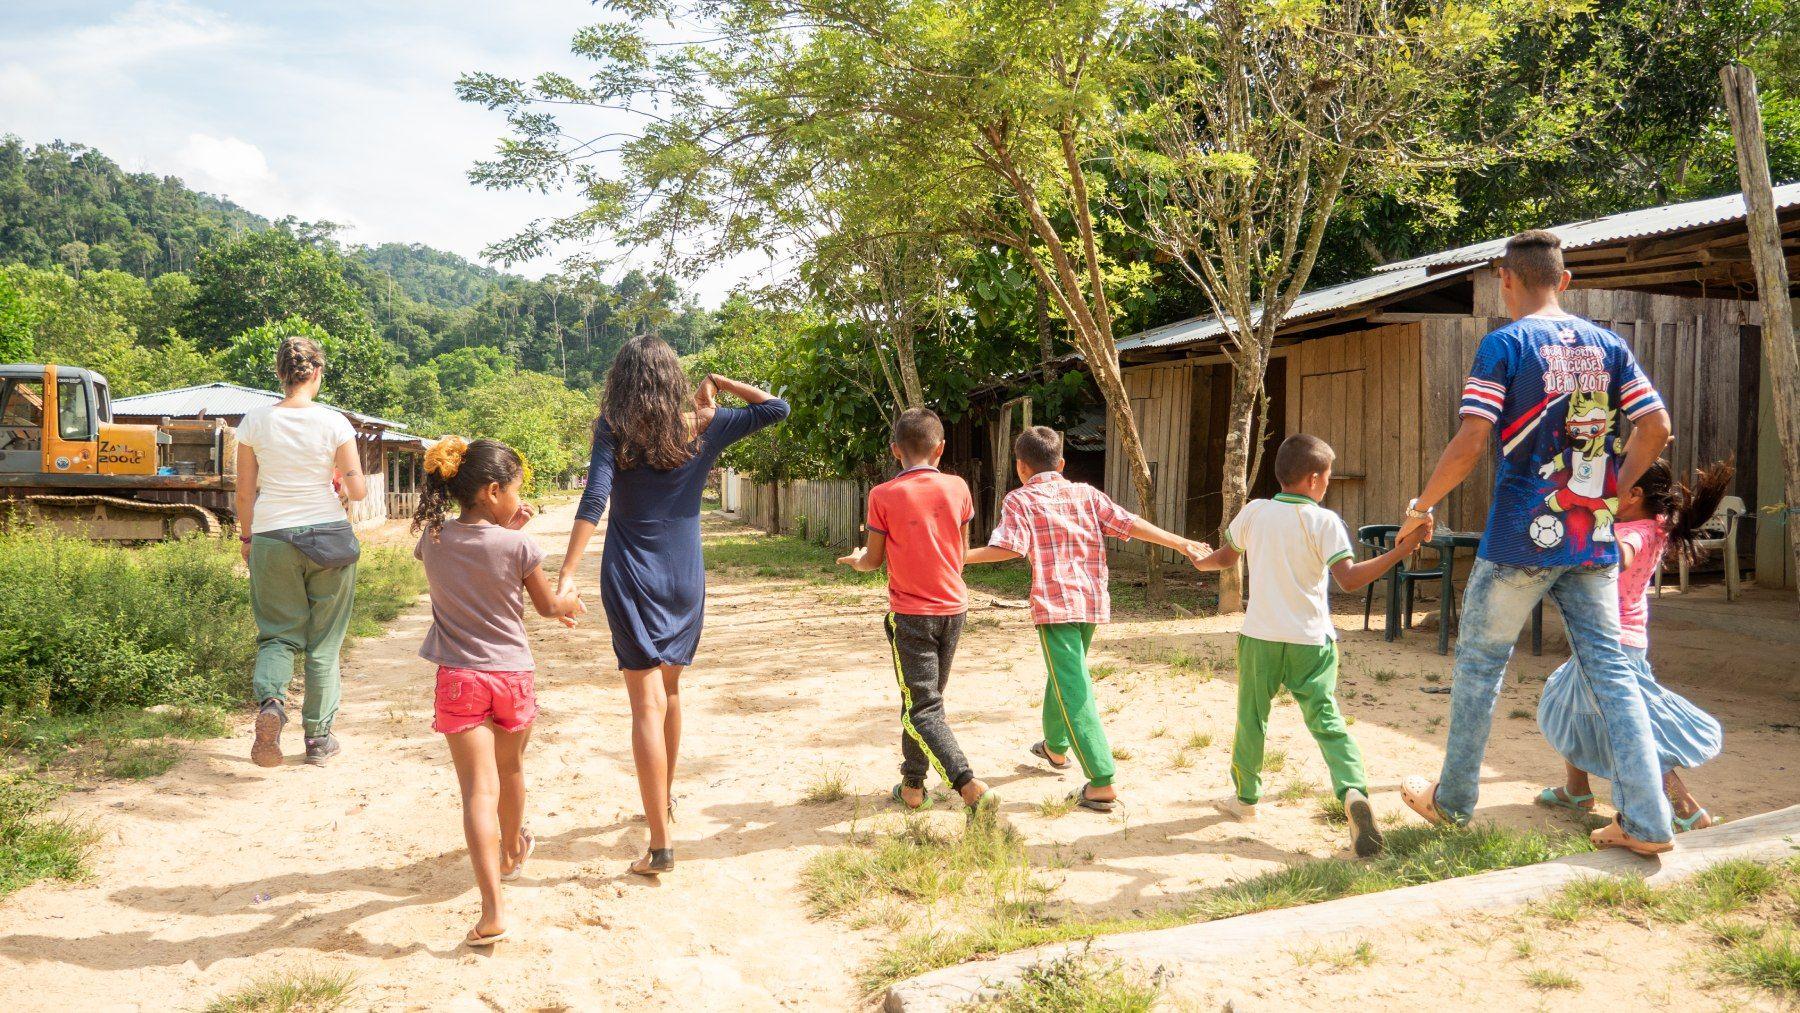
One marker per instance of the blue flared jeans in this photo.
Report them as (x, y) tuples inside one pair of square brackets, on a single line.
[(1496, 604)]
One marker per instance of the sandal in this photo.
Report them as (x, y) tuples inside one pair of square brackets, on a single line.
[(1100, 805), (1042, 752), (1699, 821), (1613, 835), (519, 869), (924, 803), (477, 940), (655, 862), (1562, 798)]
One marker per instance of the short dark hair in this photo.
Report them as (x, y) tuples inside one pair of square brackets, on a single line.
[(918, 431), (1302, 455), (1039, 448), (1535, 258)]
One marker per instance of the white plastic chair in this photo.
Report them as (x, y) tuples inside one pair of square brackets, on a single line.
[(1720, 533)]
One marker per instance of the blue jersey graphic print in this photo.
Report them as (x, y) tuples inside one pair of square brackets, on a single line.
[(1553, 387)]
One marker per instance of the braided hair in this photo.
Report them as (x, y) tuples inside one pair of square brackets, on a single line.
[(455, 470), (298, 360)]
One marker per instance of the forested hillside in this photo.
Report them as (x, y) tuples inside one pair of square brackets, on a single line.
[(158, 286)]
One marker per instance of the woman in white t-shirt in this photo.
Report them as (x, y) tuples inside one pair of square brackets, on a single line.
[(298, 470)]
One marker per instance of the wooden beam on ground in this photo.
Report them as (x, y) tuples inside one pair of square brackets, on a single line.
[(1781, 357)]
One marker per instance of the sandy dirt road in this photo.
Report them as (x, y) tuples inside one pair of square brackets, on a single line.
[(220, 872)]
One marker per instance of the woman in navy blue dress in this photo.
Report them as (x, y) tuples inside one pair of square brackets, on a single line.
[(654, 444)]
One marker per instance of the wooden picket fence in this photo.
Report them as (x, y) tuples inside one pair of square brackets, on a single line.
[(829, 512)]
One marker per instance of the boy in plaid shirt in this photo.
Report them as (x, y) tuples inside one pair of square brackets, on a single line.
[(1061, 526)]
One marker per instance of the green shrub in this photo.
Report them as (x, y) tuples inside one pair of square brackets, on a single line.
[(86, 627)]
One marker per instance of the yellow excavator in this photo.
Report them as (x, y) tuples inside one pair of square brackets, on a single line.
[(64, 462)]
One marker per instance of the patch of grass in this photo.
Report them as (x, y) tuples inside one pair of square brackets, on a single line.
[(1385, 675), (1518, 713), (1103, 671), (1122, 753), (1294, 791), (1181, 760), (116, 743), (1434, 677), (1360, 955), (1331, 810), (1771, 962), (296, 992), (1198, 740), (388, 581), (1523, 948), (1415, 854), (1274, 761), (34, 846), (830, 785), (1056, 806), (1077, 983), (1719, 889), (1159, 731), (922, 864), (1545, 979)]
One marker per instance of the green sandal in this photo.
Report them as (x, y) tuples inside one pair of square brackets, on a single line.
[(1701, 820), (897, 797), (1559, 798)]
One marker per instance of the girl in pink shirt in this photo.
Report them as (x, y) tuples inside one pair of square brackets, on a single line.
[(1656, 514)]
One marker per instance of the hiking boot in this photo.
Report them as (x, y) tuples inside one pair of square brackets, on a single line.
[(1365, 836), (265, 750), (322, 749)]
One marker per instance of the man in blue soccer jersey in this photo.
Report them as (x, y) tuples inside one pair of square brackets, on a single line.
[(1545, 392)]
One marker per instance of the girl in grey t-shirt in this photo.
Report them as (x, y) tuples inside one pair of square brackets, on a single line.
[(480, 568)]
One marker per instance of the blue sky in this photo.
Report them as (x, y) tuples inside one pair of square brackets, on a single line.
[(325, 109)]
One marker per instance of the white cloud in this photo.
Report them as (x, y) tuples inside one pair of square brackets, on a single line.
[(147, 30), (235, 168)]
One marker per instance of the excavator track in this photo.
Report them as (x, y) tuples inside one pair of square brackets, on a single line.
[(117, 519)]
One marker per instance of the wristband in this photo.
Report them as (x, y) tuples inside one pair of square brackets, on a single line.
[(1414, 513)]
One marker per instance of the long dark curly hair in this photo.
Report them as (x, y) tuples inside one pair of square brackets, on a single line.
[(646, 404), (455, 470), (1685, 506)]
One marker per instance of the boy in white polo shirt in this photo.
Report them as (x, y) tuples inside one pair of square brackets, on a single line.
[(1295, 547)]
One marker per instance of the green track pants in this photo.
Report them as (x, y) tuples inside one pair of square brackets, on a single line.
[(1071, 720), (302, 609), (1309, 672)]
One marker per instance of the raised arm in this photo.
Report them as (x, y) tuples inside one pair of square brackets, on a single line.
[(742, 391), (594, 497)]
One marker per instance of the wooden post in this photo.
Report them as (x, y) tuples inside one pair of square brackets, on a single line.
[(1781, 358)]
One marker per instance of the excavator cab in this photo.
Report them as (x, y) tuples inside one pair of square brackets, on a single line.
[(58, 421)]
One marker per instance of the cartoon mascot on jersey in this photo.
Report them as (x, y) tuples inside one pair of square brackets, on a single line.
[(1580, 504)]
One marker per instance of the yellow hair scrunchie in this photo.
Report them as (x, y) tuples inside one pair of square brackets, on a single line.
[(445, 457)]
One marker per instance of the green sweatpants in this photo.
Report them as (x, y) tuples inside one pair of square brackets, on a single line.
[(1071, 720), (1309, 672), (302, 609)]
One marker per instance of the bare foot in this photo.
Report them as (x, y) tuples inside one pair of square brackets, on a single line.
[(1102, 793), (971, 792), (912, 798)]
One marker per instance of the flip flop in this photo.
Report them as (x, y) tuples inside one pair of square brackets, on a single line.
[(1699, 821), (1560, 798), (1042, 752), (477, 940), (899, 799), (519, 869), (656, 862), (1100, 805)]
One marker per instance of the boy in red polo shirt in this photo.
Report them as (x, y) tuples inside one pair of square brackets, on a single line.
[(919, 525), (1062, 526)]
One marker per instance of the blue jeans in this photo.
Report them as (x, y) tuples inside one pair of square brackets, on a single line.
[(1495, 606)]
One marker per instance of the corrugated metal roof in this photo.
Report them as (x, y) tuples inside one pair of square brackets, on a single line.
[(215, 399), (1625, 225), (1310, 304)]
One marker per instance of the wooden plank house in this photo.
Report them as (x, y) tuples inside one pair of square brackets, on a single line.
[(1376, 367)]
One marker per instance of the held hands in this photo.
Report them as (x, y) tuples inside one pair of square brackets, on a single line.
[(570, 605), (1196, 551), (1414, 533), (524, 516)]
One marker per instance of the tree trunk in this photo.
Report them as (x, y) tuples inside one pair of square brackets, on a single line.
[(1780, 355), (1240, 427)]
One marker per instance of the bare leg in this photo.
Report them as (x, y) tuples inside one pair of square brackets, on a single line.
[(509, 762), (649, 709), (1684, 803), (473, 753), (671, 680), (1576, 781)]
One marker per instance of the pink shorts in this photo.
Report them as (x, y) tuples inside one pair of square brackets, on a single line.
[(466, 698)]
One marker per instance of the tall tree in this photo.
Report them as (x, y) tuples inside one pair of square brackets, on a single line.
[(1264, 116), (983, 118), (261, 277)]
